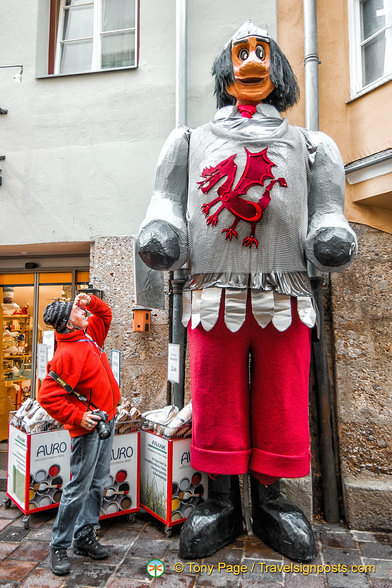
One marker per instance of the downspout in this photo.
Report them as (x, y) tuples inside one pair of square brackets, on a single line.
[(178, 333), (328, 467)]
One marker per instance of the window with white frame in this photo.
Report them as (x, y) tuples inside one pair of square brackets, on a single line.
[(370, 43), (95, 35)]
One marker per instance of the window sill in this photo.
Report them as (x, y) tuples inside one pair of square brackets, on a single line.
[(84, 73), (370, 88)]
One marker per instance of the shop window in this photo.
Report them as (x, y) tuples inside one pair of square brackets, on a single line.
[(23, 299), (92, 35), (370, 24)]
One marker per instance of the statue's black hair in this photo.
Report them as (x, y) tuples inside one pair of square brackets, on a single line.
[(286, 92)]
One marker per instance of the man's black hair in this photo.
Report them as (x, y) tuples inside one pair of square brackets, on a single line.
[(285, 93)]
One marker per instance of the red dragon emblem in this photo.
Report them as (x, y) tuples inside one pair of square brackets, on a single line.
[(256, 172)]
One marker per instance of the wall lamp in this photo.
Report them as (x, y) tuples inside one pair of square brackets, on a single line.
[(17, 78)]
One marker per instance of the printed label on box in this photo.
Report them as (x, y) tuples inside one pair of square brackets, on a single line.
[(121, 493), (17, 454), (189, 486), (49, 467), (153, 476)]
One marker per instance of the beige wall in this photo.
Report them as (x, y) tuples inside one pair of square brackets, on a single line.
[(360, 127)]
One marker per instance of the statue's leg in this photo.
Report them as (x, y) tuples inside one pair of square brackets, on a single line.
[(215, 522), (219, 362), (281, 524), (280, 435)]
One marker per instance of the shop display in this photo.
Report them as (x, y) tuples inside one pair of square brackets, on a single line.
[(16, 351)]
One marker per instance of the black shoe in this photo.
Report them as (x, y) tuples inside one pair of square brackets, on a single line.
[(215, 522), (60, 564), (280, 524), (88, 545)]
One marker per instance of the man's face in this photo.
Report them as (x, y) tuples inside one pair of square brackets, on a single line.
[(78, 317), (251, 66)]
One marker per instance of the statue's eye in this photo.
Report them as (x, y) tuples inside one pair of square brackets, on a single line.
[(243, 54), (260, 52)]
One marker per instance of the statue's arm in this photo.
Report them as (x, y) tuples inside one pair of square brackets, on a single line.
[(331, 244), (162, 239)]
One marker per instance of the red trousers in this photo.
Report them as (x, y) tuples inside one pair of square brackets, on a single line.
[(250, 398)]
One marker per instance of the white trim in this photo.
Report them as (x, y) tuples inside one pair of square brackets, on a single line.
[(368, 173)]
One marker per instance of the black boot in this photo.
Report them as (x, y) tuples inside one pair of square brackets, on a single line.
[(60, 564), (215, 522), (280, 524), (89, 545)]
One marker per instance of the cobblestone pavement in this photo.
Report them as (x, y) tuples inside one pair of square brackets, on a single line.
[(24, 557)]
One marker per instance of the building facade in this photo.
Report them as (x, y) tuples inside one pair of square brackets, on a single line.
[(81, 140)]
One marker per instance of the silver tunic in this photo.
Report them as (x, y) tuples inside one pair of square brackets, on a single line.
[(275, 270)]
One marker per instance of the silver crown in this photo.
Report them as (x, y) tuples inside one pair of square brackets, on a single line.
[(249, 29)]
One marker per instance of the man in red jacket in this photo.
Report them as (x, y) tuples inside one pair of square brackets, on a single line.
[(80, 361)]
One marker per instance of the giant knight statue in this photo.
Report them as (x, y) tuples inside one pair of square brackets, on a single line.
[(247, 200)]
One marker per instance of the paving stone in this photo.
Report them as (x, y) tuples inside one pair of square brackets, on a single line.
[(258, 550), (171, 558), (127, 583), (218, 579), (15, 571), (36, 520), (382, 583), (119, 536), (152, 532), (263, 571), (42, 578), (339, 540), (301, 581), (229, 555), (335, 556), (363, 536), (6, 584), (117, 553), (6, 549), (44, 533), (13, 534), (10, 513), (31, 551), (89, 574), (347, 557), (347, 580), (148, 549), (383, 537), (376, 550), (174, 581), (4, 523), (134, 568), (315, 562), (383, 568)]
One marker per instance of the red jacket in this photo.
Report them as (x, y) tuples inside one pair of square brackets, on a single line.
[(82, 364)]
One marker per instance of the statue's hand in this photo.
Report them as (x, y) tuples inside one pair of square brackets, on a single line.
[(334, 246), (158, 245)]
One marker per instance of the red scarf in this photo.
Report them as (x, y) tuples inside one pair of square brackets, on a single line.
[(247, 110)]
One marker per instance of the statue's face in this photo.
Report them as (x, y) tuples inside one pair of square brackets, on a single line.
[(251, 65)]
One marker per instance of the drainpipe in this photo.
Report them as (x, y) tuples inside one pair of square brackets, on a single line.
[(178, 278), (328, 468)]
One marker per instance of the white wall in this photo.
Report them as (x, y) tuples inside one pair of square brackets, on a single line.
[(81, 150)]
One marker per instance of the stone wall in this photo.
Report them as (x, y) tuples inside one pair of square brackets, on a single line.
[(362, 325), (143, 355)]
